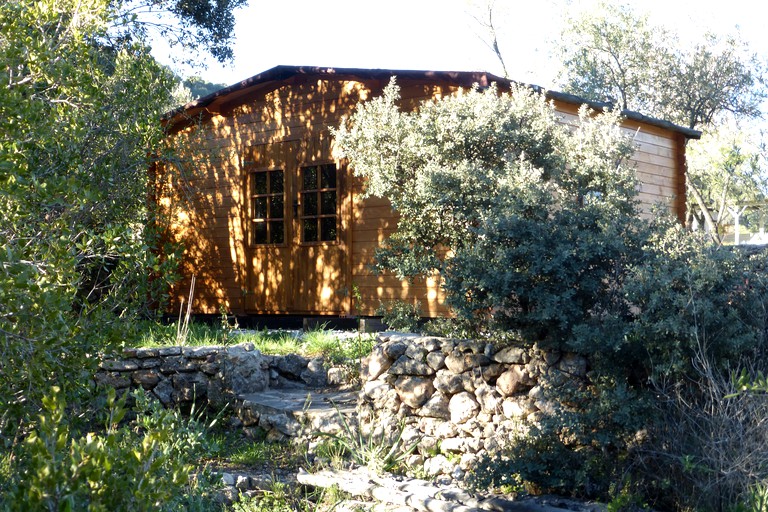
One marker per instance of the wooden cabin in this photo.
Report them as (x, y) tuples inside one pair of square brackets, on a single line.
[(273, 223)]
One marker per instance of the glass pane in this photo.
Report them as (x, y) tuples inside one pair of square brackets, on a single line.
[(328, 203), (328, 176), (328, 229), (277, 234), (260, 208), (276, 207), (276, 182), (259, 232), (309, 204), (309, 175), (259, 183), (309, 230)]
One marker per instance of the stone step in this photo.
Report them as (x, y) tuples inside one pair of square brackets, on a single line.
[(294, 412)]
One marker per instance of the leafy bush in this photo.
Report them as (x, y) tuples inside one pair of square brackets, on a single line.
[(143, 465), (400, 315)]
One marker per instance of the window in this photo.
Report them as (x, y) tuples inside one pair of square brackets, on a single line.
[(267, 207), (319, 220)]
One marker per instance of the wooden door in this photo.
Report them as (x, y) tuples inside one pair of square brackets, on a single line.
[(296, 244)]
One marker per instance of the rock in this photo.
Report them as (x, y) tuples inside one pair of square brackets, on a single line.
[(200, 352), (437, 465), (120, 366), (470, 381), (169, 351), (337, 376), (512, 409), (375, 389), (150, 363), (189, 387), (488, 398), (436, 407), (462, 407), (227, 479), (452, 445), (282, 423), (436, 360), (407, 366), (243, 371), (394, 350), (470, 347), (242, 482), (460, 363), (117, 380), (315, 375), (448, 383), (513, 355), (573, 364), (291, 365), (416, 352), (378, 363), (145, 378), (164, 392), (414, 391), (144, 353), (512, 381)]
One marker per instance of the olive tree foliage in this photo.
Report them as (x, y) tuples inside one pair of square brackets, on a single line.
[(527, 221), (79, 130), (616, 55)]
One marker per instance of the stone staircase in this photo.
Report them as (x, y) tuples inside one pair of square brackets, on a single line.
[(297, 412)]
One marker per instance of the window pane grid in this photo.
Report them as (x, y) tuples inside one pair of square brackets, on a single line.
[(267, 207), (319, 204)]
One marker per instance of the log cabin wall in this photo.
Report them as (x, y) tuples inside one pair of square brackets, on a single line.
[(252, 153)]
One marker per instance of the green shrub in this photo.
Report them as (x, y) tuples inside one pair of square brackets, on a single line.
[(142, 465), (400, 315)]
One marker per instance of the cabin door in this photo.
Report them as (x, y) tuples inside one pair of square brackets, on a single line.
[(297, 257)]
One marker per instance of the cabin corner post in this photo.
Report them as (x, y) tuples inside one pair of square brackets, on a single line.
[(681, 175)]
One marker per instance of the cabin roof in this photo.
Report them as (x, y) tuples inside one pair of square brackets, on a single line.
[(278, 74)]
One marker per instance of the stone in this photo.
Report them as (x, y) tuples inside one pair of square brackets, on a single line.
[(394, 350), (145, 353), (447, 382), (120, 365), (164, 392), (414, 391), (437, 465), (470, 347), (488, 398), (416, 351), (446, 429), (169, 351), (511, 355), (147, 379), (189, 387), (378, 363), (337, 376), (512, 381), (462, 407), (150, 363), (291, 365), (407, 366), (460, 363), (492, 371), (452, 445), (512, 409), (470, 381), (243, 371), (573, 364), (436, 360), (282, 423), (200, 352), (375, 389), (389, 402), (117, 380), (242, 482), (436, 407), (315, 375), (228, 479)]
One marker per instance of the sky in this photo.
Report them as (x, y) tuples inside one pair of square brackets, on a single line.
[(441, 34)]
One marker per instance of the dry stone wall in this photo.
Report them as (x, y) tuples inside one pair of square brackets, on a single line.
[(215, 375), (459, 399)]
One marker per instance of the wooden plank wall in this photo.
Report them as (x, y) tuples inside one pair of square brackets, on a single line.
[(210, 206)]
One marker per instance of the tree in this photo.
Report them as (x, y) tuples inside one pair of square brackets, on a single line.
[(526, 222), (615, 55), (79, 130)]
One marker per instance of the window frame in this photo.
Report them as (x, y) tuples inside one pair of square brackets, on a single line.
[(269, 219), (318, 192)]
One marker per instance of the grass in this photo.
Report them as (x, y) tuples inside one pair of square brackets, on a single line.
[(314, 343)]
